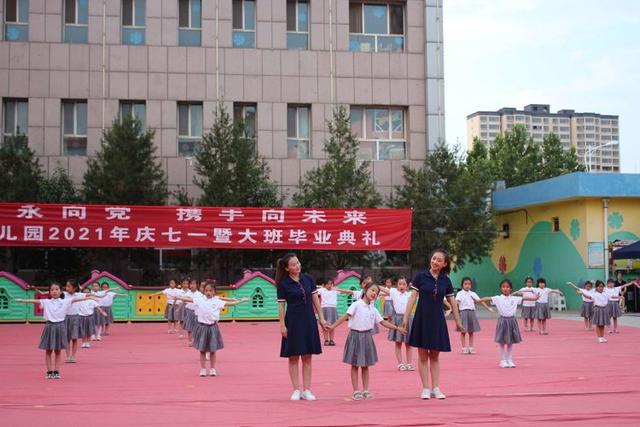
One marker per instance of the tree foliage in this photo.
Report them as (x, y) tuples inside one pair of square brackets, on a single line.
[(343, 181), (517, 159), (125, 170), (230, 172), (450, 200), (59, 188), (20, 171)]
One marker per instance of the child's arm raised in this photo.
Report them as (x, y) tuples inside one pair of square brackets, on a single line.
[(344, 291), (27, 301), (181, 298), (237, 301)]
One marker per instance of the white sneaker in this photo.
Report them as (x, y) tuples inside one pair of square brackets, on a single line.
[(511, 364), (212, 372), (295, 395), (402, 367), (472, 350), (426, 394), (438, 394), (465, 350), (203, 372), (602, 340), (307, 395), (503, 364), (409, 367)]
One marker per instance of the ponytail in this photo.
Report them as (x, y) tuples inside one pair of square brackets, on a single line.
[(281, 266)]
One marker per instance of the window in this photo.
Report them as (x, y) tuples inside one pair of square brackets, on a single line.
[(189, 128), (257, 299), (74, 128), (16, 20), (483, 126), (297, 24), (133, 15), (4, 299), (483, 119), (244, 23), (189, 22), (298, 132), (494, 119), (247, 114), (376, 27), (16, 117), (556, 224), (380, 131), (76, 21), (135, 109)]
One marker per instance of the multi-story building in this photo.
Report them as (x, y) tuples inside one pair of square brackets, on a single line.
[(69, 67), (594, 136)]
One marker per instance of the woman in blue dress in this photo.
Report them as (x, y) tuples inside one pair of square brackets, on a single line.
[(297, 297), (429, 328)]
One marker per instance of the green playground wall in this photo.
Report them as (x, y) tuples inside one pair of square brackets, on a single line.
[(11, 311), (262, 304)]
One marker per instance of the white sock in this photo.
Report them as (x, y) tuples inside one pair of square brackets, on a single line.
[(509, 353), (502, 352)]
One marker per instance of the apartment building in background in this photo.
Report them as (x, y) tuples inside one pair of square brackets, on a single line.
[(69, 67), (594, 136)]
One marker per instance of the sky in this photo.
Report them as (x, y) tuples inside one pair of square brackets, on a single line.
[(572, 54)]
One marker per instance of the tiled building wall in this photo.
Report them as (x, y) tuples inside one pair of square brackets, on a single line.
[(45, 70)]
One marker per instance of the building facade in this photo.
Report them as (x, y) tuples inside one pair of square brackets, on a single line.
[(594, 136), (69, 67), (557, 229)]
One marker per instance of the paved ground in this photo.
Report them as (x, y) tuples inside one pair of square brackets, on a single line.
[(142, 376)]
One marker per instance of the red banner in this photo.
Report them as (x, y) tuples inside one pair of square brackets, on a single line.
[(45, 225)]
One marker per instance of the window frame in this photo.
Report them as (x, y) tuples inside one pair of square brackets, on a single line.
[(21, 27), (376, 36), (190, 29), (133, 28), (297, 19), (242, 106), (75, 135), (379, 142), (16, 109), (132, 104), (297, 137), (244, 29), (179, 137), (74, 25)]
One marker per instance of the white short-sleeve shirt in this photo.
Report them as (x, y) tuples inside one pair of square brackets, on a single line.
[(107, 300), (528, 292), (467, 300), (584, 293), (363, 316), (399, 299), (55, 309), (86, 308), (73, 309), (544, 295), (506, 306), (613, 293), (171, 293), (328, 298), (600, 299), (209, 309), (194, 296)]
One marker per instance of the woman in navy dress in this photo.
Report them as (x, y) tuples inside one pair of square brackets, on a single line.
[(298, 325), (429, 328)]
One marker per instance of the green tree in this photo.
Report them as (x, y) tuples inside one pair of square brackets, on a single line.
[(59, 188), (515, 157), (451, 209), (341, 182), (20, 171), (125, 170), (230, 172), (556, 160)]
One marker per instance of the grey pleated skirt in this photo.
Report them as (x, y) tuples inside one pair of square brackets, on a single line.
[(600, 316), (190, 319), (87, 326), (99, 318), (179, 312), (587, 309), (54, 336), (542, 310), (396, 336), (469, 320), (507, 331), (170, 312), (360, 349), (108, 319), (330, 314), (388, 310), (72, 323), (614, 309), (207, 338), (528, 312)]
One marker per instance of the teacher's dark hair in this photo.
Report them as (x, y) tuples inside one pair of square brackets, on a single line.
[(281, 266), (447, 268)]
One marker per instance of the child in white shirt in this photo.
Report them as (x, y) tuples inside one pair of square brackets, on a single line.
[(507, 331), (170, 308), (399, 297), (329, 304), (586, 312), (614, 294), (467, 300), (360, 349)]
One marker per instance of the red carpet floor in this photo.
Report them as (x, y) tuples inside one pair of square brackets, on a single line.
[(142, 376)]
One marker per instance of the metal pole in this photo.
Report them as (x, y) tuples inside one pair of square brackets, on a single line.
[(605, 228)]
